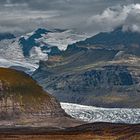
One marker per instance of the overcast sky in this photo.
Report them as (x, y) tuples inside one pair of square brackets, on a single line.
[(90, 16)]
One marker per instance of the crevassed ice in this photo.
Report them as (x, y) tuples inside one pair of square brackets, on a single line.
[(95, 114)]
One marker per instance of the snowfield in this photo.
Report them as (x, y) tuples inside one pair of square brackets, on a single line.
[(63, 39), (95, 114)]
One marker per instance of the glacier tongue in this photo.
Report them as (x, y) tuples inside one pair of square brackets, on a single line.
[(26, 67), (95, 114)]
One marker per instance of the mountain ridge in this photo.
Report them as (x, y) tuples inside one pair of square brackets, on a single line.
[(115, 37), (92, 75)]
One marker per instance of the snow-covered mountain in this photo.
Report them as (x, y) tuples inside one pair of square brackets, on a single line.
[(27, 50), (11, 56), (95, 114)]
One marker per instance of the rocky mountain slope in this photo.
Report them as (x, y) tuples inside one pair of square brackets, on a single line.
[(97, 73), (23, 102)]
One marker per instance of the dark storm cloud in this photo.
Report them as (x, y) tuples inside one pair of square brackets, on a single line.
[(95, 5), (83, 15)]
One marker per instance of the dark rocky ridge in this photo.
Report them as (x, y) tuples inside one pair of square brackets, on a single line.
[(30, 42), (6, 36), (105, 87)]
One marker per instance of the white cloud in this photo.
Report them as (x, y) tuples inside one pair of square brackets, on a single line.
[(15, 5), (27, 15), (127, 16), (25, 20)]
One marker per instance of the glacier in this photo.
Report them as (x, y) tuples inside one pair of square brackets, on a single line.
[(96, 114)]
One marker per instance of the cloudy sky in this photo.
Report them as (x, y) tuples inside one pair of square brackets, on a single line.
[(90, 16)]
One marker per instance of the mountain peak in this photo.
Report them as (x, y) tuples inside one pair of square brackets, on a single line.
[(42, 31), (118, 29)]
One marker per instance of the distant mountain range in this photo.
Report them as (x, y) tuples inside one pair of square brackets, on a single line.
[(102, 71)]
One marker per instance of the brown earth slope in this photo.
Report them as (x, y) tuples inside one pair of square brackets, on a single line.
[(24, 102), (97, 131)]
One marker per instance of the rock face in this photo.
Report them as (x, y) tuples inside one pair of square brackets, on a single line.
[(22, 100), (4, 36), (107, 86), (97, 75), (29, 43)]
